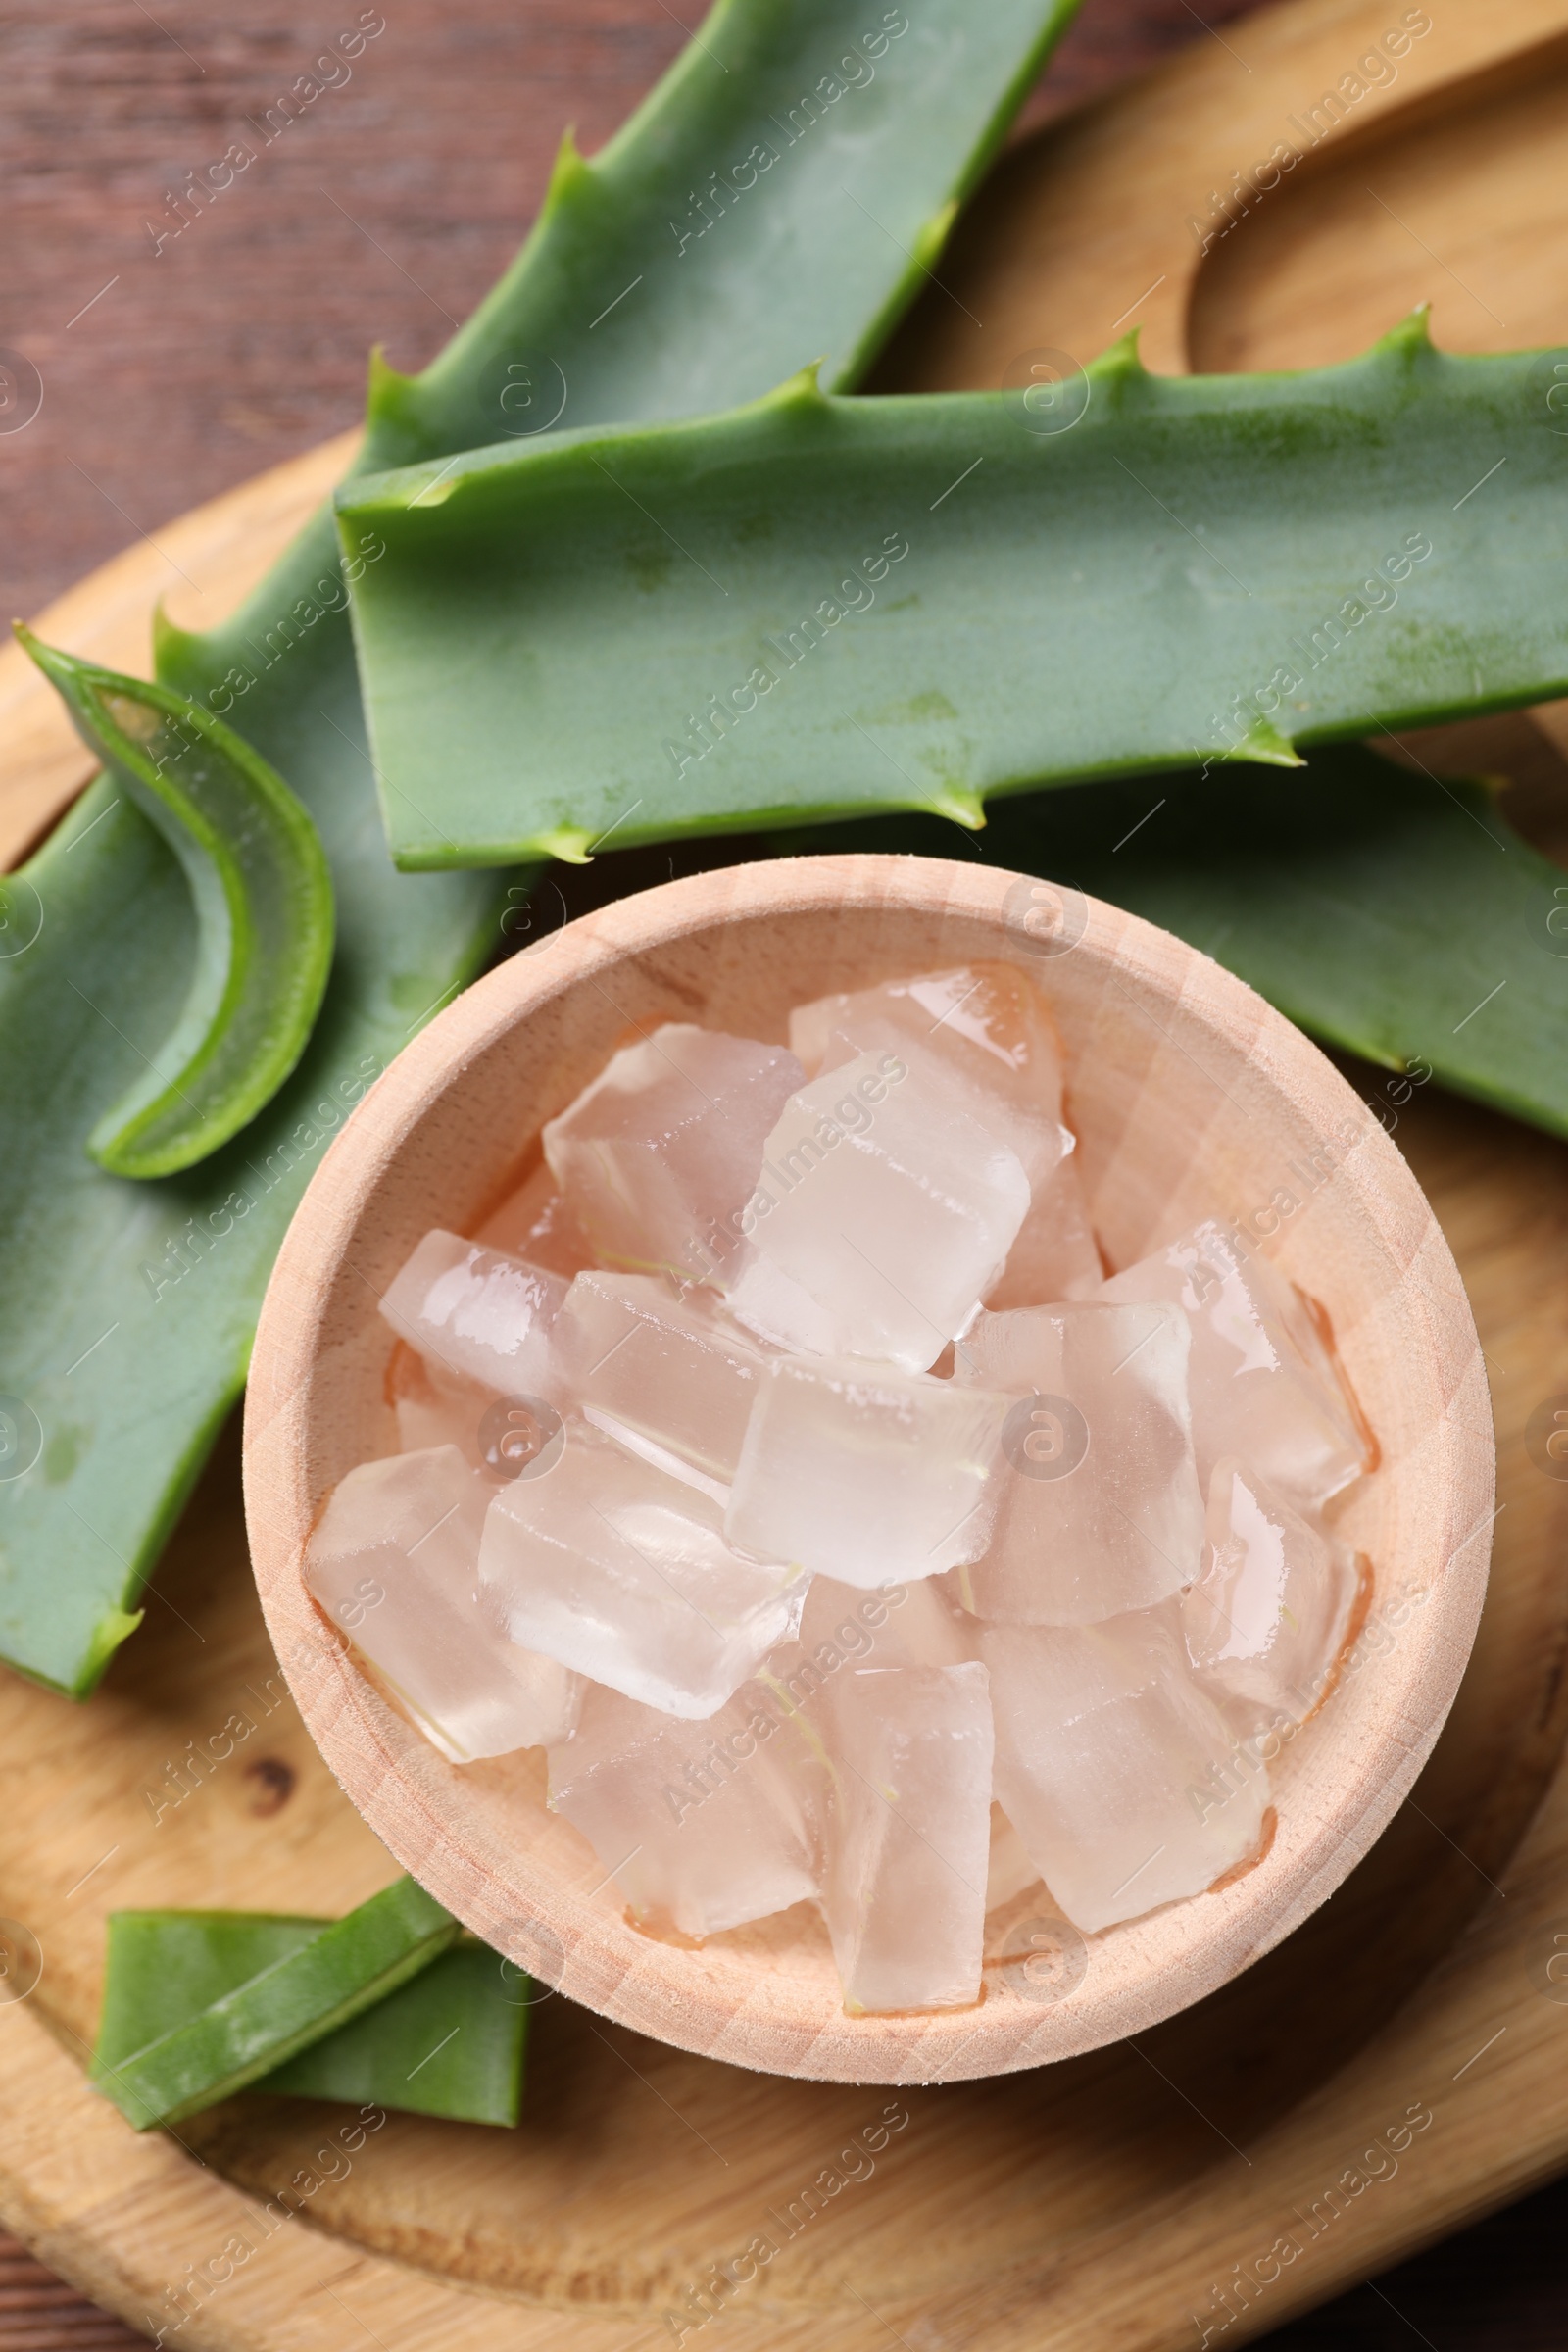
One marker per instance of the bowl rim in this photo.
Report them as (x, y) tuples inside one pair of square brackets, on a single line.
[(701, 1999)]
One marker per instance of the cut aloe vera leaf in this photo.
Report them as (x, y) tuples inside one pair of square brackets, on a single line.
[(127, 1309), (780, 195), (293, 1999), (262, 894), (448, 2042), (451, 2043), (1392, 913), (816, 605), (126, 1313), (1388, 912)]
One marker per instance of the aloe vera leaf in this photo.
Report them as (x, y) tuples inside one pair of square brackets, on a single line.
[(126, 1313), (292, 2000), (451, 2043), (262, 894), (1395, 914), (815, 606), (779, 196), (1390, 914), (448, 2042), (127, 1309)]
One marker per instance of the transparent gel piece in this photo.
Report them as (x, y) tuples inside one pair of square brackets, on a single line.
[(621, 1572), (884, 1213), (1009, 1868), (633, 1355), (993, 1032), (898, 1625), (854, 1471), (436, 1407), (658, 1156), (1267, 1619), (702, 1825), (909, 1837), (535, 1222), (476, 1312), (393, 1561), (1099, 1509), (1263, 1384), (985, 1023), (1120, 1776), (842, 1630), (1055, 1254)]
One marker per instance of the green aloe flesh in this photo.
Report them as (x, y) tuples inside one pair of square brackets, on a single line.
[(1392, 913), (449, 2042), (126, 1312), (262, 897), (296, 1996), (815, 606)]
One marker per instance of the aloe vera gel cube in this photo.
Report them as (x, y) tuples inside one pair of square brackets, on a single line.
[(393, 1563), (909, 1850), (641, 1359), (476, 1312), (1099, 1509), (1262, 1383), (883, 1213), (858, 1472), (1119, 1775), (1267, 1619), (658, 1156), (622, 1573), (705, 1826)]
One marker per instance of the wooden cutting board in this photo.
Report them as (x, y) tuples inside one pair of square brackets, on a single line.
[(1391, 2071)]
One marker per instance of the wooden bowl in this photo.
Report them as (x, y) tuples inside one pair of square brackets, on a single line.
[(1191, 1097)]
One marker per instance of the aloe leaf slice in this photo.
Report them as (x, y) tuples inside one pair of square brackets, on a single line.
[(448, 2042), (1395, 914), (816, 605), (262, 892), (126, 1312), (292, 2000)]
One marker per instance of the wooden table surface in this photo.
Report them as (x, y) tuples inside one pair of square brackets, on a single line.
[(168, 375)]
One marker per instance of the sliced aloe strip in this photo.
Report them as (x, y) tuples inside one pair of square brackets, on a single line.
[(126, 1312), (815, 606), (451, 2043), (292, 2000), (262, 892), (1393, 913), (448, 2042)]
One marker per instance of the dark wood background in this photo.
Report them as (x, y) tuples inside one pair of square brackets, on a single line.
[(380, 217)]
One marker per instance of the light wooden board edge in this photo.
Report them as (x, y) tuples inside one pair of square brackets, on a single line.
[(1479, 2044), (203, 565)]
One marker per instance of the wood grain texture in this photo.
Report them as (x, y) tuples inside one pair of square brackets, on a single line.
[(1102, 2201), (1111, 222)]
